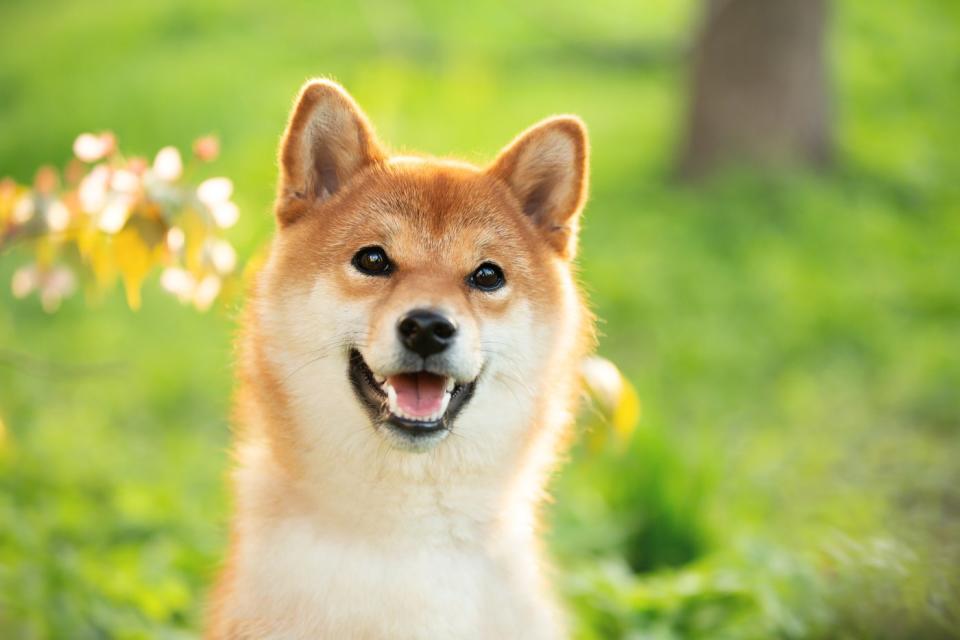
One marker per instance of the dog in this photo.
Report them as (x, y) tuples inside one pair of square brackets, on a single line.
[(408, 372)]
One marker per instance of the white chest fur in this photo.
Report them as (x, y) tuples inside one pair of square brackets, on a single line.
[(430, 565)]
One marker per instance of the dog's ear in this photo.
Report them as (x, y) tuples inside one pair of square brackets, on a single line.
[(546, 168), (327, 142)]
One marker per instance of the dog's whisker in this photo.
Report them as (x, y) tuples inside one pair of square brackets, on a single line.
[(328, 349)]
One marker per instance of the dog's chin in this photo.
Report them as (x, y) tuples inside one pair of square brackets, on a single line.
[(412, 428)]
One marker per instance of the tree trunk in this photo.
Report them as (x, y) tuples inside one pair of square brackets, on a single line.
[(760, 92)]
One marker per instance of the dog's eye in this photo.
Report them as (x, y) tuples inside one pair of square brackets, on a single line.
[(487, 277), (372, 261)]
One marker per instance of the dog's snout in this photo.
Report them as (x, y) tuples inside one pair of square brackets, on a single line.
[(426, 332)]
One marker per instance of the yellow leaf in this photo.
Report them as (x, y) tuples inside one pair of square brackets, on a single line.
[(45, 251), (9, 193), (613, 398), (101, 260), (626, 413), (134, 259), (87, 237), (195, 231)]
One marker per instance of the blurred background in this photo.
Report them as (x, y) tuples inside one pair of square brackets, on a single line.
[(772, 244)]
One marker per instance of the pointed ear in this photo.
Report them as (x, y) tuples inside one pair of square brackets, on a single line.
[(327, 142), (546, 168)]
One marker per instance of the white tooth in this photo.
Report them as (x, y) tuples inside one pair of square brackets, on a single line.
[(451, 383), (444, 404), (380, 380), (391, 398)]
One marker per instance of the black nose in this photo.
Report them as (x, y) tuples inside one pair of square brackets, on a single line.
[(426, 332)]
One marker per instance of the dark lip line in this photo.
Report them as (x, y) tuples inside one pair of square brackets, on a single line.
[(364, 385)]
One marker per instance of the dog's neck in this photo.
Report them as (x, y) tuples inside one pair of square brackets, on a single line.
[(380, 497)]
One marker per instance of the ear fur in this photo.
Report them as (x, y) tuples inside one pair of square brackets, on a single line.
[(546, 169), (327, 142)]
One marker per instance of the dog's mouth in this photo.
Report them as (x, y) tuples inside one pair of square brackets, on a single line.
[(416, 404)]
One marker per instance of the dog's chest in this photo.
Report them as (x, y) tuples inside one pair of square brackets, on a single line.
[(389, 587)]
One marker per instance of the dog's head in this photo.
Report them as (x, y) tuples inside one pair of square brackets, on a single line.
[(408, 299)]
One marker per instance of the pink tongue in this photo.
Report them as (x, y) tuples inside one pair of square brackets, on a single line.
[(419, 394)]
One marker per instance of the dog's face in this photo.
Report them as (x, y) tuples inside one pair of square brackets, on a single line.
[(419, 299)]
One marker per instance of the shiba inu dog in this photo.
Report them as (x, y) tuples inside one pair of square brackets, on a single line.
[(408, 368)]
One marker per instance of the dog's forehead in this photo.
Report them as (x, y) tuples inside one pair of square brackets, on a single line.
[(432, 207)]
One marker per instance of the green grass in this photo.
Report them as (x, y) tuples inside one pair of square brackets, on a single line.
[(795, 339)]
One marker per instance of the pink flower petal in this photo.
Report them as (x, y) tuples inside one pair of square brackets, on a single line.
[(167, 165), (206, 292), (214, 191), (60, 282), (25, 280), (23, 209), (222, 255), (58, 216), (108, 142), (93, 189), (90, 148), (175, 239), (115, 214), (125, 181), (179, 282), (206, 148), (225, 214)]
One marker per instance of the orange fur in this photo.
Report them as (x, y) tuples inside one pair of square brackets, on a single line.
[(339, 191)]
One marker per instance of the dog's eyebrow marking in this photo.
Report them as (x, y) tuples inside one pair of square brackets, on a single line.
[(484, 242)]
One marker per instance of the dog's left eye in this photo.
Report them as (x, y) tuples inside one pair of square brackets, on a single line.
[(487, 277), (372, 261)]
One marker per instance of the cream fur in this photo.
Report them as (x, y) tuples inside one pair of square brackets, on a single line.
[(340, 531), (398, 544)]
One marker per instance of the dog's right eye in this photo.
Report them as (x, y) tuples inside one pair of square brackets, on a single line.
[(372, 261)]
